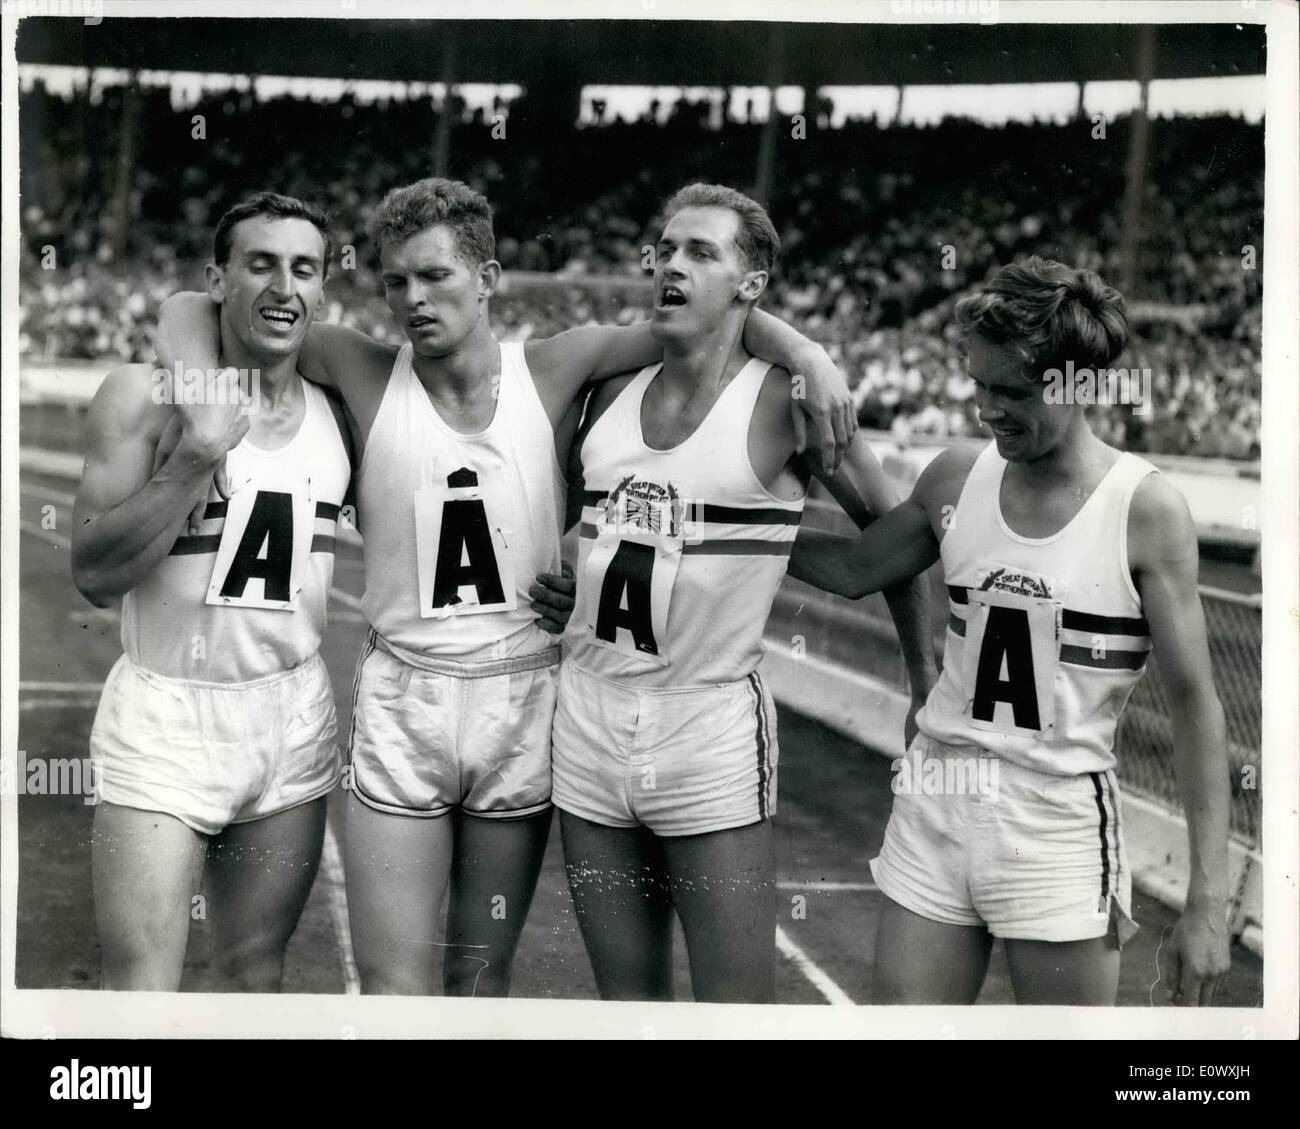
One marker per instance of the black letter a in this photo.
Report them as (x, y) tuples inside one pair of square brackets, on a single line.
[(629, 569), (271, 521), (465, 535), (1007, 633)]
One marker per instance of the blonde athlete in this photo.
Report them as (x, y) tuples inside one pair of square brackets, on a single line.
[(215, 739), (1068, 564), (665, 744), (461, 498)]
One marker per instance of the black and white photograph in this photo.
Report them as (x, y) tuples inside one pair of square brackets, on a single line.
[(506, 510)]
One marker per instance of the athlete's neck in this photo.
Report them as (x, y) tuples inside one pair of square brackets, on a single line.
[(466, 374), (705, 363), (272, 380)]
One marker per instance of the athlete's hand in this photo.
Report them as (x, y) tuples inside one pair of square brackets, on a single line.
[(217, 423), (168, 441), (553, 599), (1197, 958), (821, 395)]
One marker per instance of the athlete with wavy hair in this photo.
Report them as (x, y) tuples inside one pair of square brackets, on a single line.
[(1068, 563)]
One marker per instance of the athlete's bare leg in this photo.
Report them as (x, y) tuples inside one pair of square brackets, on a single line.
[(146, 868), (396, 870), (259, 875), (494, 873), (919, 961), (619, 883), (721, 884), (1078, 973)]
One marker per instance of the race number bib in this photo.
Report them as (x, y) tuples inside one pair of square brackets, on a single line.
[(264, 550), (630, 571), (1011, 653), (462, 548)]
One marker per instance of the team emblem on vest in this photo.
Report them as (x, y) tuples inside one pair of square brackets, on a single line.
[(265, 545), (462, 548)]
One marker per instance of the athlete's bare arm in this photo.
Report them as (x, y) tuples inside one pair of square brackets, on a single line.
[(1164, 560), (336, 356), (863, 492), (128, 512), (562, 365), (894, 548)]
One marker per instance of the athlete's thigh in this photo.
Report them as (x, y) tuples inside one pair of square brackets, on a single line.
[(494, 873), (920, 961), (146, 867), (619, 884), (1080, 973), (721, 883), (259, 875), (396, 869)]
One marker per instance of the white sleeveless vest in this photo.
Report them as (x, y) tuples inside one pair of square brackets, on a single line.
[(1046, 637), (681, 551), (456, 526), (246, 597)]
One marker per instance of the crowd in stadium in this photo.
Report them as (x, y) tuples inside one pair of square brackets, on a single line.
[(882, 227)]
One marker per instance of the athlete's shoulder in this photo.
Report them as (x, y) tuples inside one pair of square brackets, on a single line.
[(777, 387), (604, 395), (771, 421), (131, 399), (1160, 524), (944, 476), (345, 347)]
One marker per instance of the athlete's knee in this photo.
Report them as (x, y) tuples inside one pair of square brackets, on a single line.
[(466, 975), (251, 964), (394, 982), (140, 972)]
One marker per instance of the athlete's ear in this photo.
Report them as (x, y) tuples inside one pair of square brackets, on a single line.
[(489, 277), (752, 285), (215, 279)]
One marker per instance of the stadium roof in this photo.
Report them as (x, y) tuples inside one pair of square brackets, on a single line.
[(562, 53)]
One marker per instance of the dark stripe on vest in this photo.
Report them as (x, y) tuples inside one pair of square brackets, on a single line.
[(1111, 660)]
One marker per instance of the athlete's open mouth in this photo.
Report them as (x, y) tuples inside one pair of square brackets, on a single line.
[(672, 296), (421, 321), (276, 316), (1001, 431)]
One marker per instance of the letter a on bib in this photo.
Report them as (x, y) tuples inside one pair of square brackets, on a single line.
[(1011, 656), (265, 544), (462, 546)]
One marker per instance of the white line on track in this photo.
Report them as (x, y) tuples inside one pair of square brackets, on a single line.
[(816, 887), (332, 864), (833, 993)]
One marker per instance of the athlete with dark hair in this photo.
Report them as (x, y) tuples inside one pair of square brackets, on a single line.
[(215, 741)]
